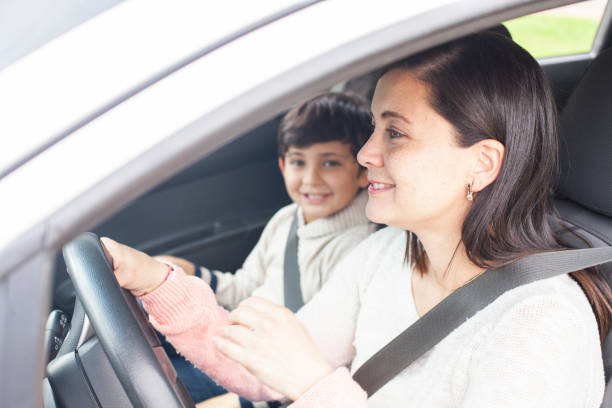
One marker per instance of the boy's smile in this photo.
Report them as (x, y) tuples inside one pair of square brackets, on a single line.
[(322, 178), (316, 198)]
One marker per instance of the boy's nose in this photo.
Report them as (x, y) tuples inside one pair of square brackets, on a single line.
[(312, 175), (370, 154)]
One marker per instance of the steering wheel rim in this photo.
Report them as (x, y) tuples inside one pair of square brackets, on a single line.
[(129, 342)]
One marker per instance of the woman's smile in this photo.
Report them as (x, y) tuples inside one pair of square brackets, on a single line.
[(377, 187)]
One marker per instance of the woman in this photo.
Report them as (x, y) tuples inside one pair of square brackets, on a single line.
[(462, 155)]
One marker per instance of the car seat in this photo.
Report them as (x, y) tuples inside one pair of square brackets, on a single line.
[(584, 192)]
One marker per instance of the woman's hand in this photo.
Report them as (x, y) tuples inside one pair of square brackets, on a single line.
[(274, 346), (135, 270)]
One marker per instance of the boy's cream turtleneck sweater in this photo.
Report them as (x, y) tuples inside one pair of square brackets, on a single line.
[(322, 243)]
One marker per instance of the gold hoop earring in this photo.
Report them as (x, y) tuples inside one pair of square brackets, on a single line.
[(470, 195)]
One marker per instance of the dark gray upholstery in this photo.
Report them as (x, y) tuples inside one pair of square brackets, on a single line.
[(586, 139), (585, 188)]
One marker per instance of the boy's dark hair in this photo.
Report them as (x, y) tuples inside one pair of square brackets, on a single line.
[(329, 117)]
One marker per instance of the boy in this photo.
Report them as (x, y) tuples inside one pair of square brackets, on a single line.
[(317, 146), (318, 143)]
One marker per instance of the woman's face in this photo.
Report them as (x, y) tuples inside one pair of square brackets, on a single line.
[(418, 174)]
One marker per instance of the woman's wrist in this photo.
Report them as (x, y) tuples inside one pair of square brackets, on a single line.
[(315, 375), (339, 381), (159, 274)]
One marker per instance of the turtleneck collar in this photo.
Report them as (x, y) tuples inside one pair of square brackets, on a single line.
[(350, 216)]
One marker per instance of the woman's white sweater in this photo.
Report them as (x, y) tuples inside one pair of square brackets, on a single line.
[(535, 346), (321, 245)]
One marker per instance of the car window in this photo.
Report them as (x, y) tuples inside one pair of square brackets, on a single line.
[(560, 31)]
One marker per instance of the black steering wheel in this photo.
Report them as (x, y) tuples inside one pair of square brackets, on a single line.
[(129, 342)]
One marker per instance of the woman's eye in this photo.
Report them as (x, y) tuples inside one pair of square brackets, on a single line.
[(394, 134), (297, 163)]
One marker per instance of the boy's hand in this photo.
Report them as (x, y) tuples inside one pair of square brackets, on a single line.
[(135, 270), (185, 265)]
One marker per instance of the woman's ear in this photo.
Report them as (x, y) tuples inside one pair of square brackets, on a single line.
[(281, 165), (489, 154), (363, 177)]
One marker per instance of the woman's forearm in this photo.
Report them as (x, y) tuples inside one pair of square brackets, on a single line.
[(185, 310)]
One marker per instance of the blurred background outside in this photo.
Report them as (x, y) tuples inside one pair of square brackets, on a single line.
[(560, 31)]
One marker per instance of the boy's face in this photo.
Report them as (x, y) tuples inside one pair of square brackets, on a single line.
[(322, 178)]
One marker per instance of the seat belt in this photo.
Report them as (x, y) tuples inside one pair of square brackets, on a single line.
[(464, 303), (292, 288)]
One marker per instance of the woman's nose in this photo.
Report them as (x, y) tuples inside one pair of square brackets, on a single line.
[(370, 154)]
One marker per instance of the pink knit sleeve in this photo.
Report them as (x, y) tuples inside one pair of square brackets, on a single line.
[(185, 310), (337, 390)]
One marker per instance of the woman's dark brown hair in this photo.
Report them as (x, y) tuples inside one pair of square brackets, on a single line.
[(488, 87)]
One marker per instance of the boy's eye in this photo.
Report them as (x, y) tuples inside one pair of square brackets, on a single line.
[(331, 163), (297, 163), (394, 134)]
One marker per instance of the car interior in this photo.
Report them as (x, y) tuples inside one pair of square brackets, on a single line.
[(585, 189), (214, 211)]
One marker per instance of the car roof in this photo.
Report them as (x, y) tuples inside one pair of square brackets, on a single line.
[(26, 25), (109, 58)]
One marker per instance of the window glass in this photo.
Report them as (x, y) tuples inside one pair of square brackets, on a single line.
[(559, 31)]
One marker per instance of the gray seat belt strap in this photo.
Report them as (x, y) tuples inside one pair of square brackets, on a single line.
[(464, 303), (292, 288)]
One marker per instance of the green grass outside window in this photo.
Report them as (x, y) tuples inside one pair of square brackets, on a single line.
[(549, 35)]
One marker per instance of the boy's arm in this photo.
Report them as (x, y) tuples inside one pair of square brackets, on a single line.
[(185, 310), (233, 288)]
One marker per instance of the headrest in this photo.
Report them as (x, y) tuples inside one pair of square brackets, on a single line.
[(586, 139)]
